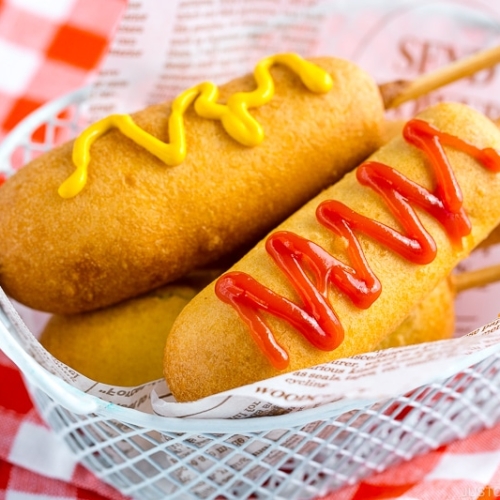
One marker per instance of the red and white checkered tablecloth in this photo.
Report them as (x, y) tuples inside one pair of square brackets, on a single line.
[(48, 48), (35, 465)]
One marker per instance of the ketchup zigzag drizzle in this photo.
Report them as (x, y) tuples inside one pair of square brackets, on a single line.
[(311, 270)]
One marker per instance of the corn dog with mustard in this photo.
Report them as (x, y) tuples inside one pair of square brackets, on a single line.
[(139, 201), (345, 270)]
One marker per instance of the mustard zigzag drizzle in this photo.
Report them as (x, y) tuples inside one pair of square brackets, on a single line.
[(234, 116)]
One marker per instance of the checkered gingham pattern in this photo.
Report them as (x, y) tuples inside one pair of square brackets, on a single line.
[(35, 465), (47, 48)]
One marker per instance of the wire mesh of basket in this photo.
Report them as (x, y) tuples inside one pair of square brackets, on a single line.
[(294, 456)]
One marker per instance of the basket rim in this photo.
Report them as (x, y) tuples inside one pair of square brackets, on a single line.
[(16, 136)]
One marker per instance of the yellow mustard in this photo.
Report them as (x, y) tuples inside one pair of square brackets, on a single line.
[(234, 116)]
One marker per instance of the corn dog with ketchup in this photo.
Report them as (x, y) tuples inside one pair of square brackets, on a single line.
[(341, 273), (123, 344), (431, 319), (181, 184)]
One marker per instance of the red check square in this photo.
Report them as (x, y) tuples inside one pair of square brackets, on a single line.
[(13, 394), (77, 47), (5, 468), (22, 108)]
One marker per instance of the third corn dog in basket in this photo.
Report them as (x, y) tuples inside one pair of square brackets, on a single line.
[(341, 273), (147, 198)]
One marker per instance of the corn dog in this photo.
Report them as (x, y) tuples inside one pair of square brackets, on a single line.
[(126, 220), (304, 273), (122, 344), (431, 319)]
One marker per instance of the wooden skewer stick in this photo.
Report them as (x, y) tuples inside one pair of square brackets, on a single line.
[(471, 279), (398, 92)]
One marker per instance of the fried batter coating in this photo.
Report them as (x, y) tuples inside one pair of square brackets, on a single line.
[(210, 348), (139, 223), (122, 344), (432, 319)]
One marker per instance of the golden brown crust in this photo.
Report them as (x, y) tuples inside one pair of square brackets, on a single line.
[(432, 319), (210, 350), (392, 128), (139, 224), (121, 344), (494, 236)]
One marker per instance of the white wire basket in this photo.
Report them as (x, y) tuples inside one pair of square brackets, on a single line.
[(293, 456)]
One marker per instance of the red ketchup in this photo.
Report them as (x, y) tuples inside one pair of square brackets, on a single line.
[(311, 270)]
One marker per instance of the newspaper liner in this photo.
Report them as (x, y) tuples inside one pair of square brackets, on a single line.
[(235, 40), (161, 48)]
